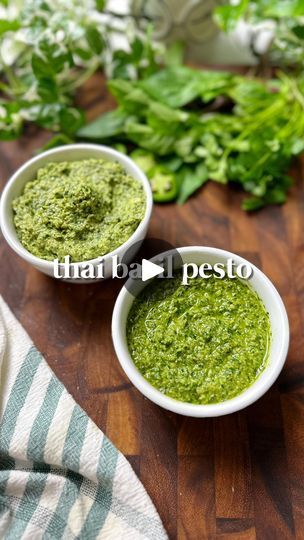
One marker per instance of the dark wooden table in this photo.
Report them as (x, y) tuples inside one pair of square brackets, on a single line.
[(239, 476)]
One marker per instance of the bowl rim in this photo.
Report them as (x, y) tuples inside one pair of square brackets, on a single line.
[(106, 150), (239, 402)]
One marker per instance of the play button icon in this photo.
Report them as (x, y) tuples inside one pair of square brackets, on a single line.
[(150, 270), (161, 260)]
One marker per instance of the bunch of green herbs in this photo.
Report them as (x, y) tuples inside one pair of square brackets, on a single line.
[(182, 125), (201, 125)]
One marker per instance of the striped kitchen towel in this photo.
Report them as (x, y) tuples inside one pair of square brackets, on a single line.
[(60, 477)]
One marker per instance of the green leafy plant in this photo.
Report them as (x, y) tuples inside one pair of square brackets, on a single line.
[(48, 49), (173, 116)]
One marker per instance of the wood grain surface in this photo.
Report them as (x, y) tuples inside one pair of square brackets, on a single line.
[(237, 477)]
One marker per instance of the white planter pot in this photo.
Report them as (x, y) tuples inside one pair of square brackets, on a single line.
[(191, 21)]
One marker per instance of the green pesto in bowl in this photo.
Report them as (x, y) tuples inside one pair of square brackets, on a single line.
[(201, 343), (84, 209)]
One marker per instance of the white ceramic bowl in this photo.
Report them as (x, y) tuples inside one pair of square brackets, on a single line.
[(278, 347), (70, 153)]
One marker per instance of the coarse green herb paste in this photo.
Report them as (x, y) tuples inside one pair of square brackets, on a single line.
[(201, 343), (83, 209)]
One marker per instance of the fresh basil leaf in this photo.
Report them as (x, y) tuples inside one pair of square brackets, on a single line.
[(107, 125), (82, 53), (94, 39), (129, 95), (174, 87), (158, 142), (177, 86), (120, 88), (166, 114), (47, 89), (191, 179), (41, 67), (54, 56)]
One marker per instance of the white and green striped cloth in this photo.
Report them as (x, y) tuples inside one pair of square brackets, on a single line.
[(60, 477)]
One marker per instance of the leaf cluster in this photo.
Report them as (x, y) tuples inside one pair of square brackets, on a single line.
[(48, 49), (210, 125)]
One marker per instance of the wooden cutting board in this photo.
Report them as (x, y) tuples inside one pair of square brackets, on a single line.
[(235, 477)]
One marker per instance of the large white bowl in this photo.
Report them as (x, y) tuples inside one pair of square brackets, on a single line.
[(71, 152), (278, 346)]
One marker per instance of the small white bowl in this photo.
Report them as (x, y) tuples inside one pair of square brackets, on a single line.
[(278, 346), (73, 152)]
